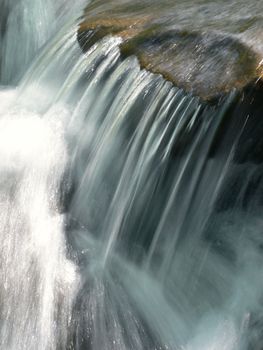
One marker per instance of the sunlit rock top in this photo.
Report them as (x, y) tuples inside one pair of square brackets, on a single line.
[(205, 47)]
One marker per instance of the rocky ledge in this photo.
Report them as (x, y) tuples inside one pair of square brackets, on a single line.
[(188, 43)]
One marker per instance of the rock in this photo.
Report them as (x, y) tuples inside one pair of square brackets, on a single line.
[(206, 64), (126, 28), (204, 54)]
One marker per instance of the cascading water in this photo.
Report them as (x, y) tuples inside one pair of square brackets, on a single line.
[(130, 218), (36, 278), (26, 26)]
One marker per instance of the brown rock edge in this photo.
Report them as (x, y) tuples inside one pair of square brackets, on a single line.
[(207, 64)]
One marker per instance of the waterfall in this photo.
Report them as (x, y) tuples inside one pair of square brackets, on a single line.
[(26, 26), (130, 210)]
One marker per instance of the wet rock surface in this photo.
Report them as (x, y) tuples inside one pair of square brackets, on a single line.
[(204, 47), (206, 64)]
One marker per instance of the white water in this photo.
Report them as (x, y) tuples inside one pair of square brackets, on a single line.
[(110, 236), (38, 281)]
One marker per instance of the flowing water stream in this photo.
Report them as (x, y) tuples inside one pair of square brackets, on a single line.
[(130, 213)]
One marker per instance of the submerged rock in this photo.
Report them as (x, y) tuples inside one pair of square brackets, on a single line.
[(208, 54)]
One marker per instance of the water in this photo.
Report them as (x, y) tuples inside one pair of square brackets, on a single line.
[(26, 26), (130, 211), (37, 279)]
